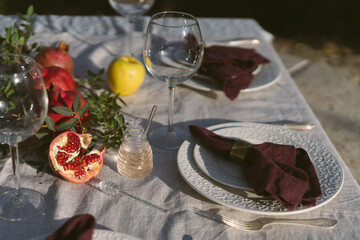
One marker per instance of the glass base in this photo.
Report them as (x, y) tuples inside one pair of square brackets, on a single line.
[(161, 138), (19, 207)]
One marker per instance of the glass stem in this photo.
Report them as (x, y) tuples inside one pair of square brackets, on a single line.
[(130, 35), (19, 198), (171, 110), (14, 151)]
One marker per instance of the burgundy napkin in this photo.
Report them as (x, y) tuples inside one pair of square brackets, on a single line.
[(231, 67), (280, 171), (79, 227)]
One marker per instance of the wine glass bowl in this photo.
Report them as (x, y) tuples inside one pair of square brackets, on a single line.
[(23, 108), (131, 9), (173, 53)]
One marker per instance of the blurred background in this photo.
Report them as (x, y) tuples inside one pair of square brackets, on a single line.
[(315, 22)]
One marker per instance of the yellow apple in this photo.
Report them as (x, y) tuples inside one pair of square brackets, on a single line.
[(125, 75)]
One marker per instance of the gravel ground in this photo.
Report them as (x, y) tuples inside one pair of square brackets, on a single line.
[(330, 84)]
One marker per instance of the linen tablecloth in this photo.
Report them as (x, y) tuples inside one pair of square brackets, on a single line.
[(94, 42)]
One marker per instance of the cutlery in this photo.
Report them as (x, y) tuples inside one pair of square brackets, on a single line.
[(238, 41), (298, 66), (260, 223)]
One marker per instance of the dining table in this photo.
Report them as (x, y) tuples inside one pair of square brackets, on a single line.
[(161, 205)]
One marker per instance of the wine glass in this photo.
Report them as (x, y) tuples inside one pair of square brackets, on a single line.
[(131, 9), (173, 53), (23, 108)]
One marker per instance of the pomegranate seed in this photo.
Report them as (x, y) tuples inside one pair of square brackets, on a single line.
[(72, 144), (62, 157)]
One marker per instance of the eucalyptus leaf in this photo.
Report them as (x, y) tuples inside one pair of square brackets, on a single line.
[(91, 74), (84, 109), (63, 126), (21, 41), (63, 111), (10, 92), (77, 103), (72, 122), (21, 16), (30, 11), (8, 85), (40, 135), (50, 123)]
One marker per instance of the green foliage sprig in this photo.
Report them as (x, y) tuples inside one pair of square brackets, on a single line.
[(106, 121), (16, 37)]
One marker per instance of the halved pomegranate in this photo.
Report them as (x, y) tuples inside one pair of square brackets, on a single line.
[(69, 158)]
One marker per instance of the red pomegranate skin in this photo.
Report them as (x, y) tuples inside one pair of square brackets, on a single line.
[(56, 56), (59, 78), (58, 97)]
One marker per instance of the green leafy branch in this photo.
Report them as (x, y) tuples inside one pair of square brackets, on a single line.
[(77, 112), (17, 36), (106, 121)]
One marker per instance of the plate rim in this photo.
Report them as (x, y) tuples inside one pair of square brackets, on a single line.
[(191, 141)]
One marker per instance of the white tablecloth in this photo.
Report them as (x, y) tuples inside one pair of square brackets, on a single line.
[(95, 41)]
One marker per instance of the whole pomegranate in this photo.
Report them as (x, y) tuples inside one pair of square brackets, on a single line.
[(56, 56), (58, 97), (69, 158), (58, 77)]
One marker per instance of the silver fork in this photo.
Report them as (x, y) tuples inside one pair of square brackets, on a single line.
[(259, 223)]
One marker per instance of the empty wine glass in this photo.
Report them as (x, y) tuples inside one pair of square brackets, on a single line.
[(131, 9), (173, 53), (23, 108)]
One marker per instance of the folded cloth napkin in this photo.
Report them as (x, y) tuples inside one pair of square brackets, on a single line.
[(79, 227), (231, 67), (280, 171)]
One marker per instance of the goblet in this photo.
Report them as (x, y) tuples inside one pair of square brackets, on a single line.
[(23, 108), (131, 9), (173, 53)]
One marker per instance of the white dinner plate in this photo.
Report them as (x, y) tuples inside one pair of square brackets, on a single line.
[(328, 169), (264, 76)]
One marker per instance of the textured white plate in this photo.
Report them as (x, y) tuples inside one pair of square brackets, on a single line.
[(264, 76), (329, 170)]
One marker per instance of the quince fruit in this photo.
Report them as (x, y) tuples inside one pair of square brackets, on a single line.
[(125, 75)]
